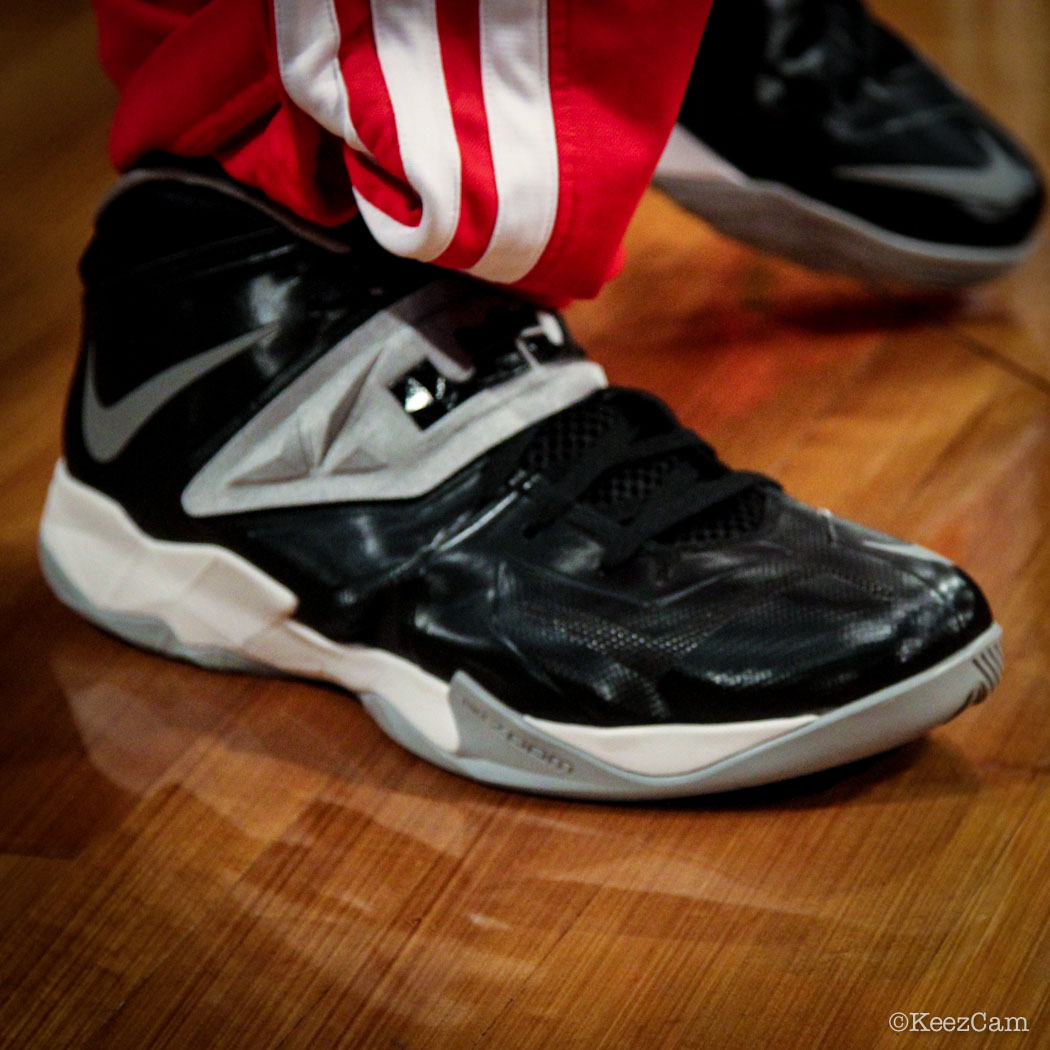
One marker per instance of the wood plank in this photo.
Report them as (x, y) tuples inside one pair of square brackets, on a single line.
[(190, 859)]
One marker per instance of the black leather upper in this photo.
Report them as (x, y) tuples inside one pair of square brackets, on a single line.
[(793, 91), (745, 604)]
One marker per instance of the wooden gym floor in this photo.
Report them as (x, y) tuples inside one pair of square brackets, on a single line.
[(196, 860)]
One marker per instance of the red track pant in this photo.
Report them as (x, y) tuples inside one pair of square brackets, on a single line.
[(511, 139)]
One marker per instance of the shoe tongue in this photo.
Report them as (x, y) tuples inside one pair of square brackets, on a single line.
[(622, 490)]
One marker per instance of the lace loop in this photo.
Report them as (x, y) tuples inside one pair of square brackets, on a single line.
[(684, 479), (660, 515)]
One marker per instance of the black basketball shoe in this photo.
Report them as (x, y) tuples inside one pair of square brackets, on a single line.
[(812, 131), (289, 451)]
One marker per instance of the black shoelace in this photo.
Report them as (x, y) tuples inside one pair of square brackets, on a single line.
[(683, 476)]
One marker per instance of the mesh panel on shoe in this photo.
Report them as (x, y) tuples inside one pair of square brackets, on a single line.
[(727, 520), (566, 436), (622, 490), (629, 485)]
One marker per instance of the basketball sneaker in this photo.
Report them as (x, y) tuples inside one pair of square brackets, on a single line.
[(812, 131), (287, 451)]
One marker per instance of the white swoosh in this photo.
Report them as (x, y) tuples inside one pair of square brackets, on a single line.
[(997, 179), (108, 428)]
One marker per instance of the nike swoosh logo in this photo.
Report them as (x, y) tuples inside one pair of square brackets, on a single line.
[(999, 178), (107, 429)]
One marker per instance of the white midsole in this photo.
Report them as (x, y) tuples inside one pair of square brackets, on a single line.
[(660, 750), (212, 598)]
